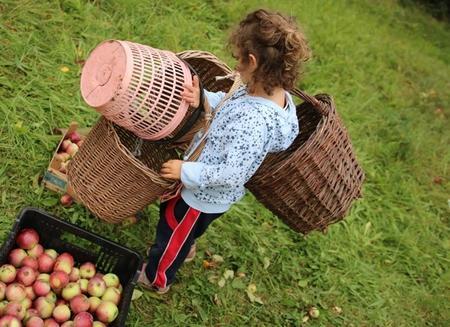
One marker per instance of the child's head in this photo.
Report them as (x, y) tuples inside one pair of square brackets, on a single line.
[(277, 45)]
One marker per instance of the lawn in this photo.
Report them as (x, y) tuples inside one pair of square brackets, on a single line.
[(388, 68)]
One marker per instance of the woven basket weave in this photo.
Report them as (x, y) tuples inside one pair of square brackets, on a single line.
[(114, 182), (313, 183)]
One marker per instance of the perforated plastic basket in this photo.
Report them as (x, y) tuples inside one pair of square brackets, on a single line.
[(137, 87), (84, 246)]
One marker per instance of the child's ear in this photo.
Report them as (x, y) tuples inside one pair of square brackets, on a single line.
[(252, 62)]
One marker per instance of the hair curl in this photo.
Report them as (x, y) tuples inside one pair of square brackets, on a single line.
[(278, 45)]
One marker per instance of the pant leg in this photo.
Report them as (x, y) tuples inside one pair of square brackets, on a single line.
[(178, 227)]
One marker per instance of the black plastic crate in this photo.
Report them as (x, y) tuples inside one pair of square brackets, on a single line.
[(85, 246)]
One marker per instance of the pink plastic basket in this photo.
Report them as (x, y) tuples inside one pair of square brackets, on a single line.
[(137, 87)]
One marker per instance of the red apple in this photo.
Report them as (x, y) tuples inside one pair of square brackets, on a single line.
[(87, 270), (51, 296), (66, 200), (15, 292), (96, 286), (83, 282), (7, 273), (31, 262), (31, 313), (10, 321), (26, 275), (62, 157), (27, 303), (44, 277), (111, 294), (68, 323), (79, 304), (44, 307), (61, 313), (107, 312), (74, 274), (36, 251), (30, 293), (27, 238), (15, 309), (72, 149), (83, 319), (70, 291), (50, 322), (59, 279), (74, 136), (41, 288), (16, 257), (46, 263), (35, 322)]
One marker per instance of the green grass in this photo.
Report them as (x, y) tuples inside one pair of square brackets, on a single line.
[(387, 66)]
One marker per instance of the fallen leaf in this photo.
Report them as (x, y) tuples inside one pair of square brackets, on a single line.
[(240, 274), (221, 282), (253, 298), (314, 312), (64, 69), (136, 294), (266, 262), (305, 319), (217, 258), (228, 274), (209, 264), (251, 288), (217, 300), (438, 180), (337, 310), (302, 283)]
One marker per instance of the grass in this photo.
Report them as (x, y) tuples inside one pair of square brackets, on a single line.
[(386, 65)]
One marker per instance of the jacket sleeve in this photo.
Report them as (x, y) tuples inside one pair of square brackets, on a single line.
[(214, 98), (245, 147)]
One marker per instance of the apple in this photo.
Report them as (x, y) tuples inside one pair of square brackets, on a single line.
[(36, 251), (98, 324), (74, 274), (83, 282), (65, 144), (62, 156), (70, 291), (68, 323), (61, 313), (74, 137), (41, 288), (10, 321), (46, 263), (51, 296), (26, 276), (35, 322), (26, 303), (15, 292), (111, 294), (79, 304), (94, 302), (87, 270), (83, 319), (2, 290), (31, 262), (52, 253), (16, 257), (111, 280), (7, 273), (30, 293), (15, 309), (50, 322), (44, 277), (96, 286), (2, 307), (107, 311), (31, 313), (66, 200), (44, 307), (59, 279), (27, 238), (72, 149)]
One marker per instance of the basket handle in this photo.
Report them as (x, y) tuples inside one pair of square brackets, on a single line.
[(306, 97)]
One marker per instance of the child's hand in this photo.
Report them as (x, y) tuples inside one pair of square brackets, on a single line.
[(171, 169), (191, 94)]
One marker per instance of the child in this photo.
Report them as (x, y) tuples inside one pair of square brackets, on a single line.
[(258, 118)]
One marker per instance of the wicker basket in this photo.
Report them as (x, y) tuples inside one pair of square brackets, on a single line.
[(313, 183), (110, 178)]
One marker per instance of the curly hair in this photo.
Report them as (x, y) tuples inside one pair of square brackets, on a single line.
[(278, 45)]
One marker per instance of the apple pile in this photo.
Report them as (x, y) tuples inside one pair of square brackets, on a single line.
[(41, 288), (68, 149)]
